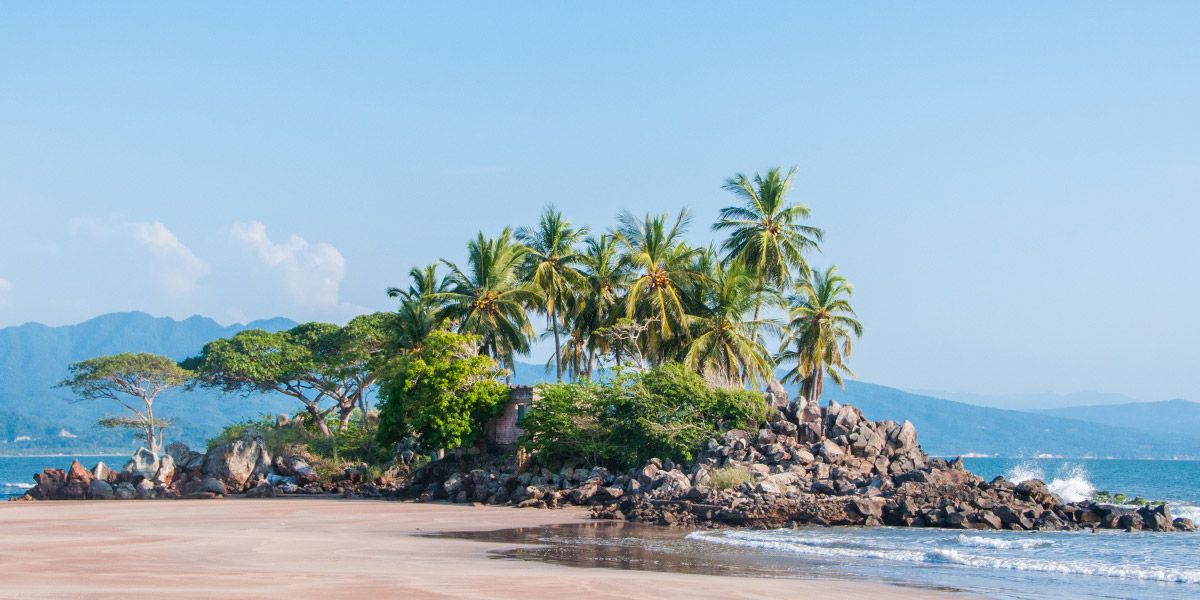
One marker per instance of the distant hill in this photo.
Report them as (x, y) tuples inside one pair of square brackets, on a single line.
[(949, 428), (1171, 416), (1045, 400), (36, 417)]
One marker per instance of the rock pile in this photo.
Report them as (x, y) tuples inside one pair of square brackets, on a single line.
[(811, 465)]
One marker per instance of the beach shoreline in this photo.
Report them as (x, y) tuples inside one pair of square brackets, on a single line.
[(328, 548)]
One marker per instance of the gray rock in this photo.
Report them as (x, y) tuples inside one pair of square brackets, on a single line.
[(124, 491), (101, 490), (143, 463), (165, 474), (144, 490), (238, 462)]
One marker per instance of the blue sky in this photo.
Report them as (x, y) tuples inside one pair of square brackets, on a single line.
[(1012, 187)]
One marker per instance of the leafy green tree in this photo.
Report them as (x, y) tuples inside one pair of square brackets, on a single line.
[(326, 367), (552, 268), (662, 263), (443, 393), (765, 231), (724, 344), (489, 300), (132, 380), (817, 338)]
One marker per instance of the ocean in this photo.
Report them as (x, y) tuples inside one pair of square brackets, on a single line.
[(997, 564)]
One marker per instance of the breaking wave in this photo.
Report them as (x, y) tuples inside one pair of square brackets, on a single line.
[(19, 486), (979, 541), (784, 541), (1070, 483)]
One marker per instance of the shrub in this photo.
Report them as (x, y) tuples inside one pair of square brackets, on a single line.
[(667, 412), (442, 393), (727, 478)]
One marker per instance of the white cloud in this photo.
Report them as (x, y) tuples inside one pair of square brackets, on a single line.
[(175, 268), (5, 288), (311, 273)]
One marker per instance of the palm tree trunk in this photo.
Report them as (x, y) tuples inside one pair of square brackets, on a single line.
[(757, 309), (557, 345), (814, 385)]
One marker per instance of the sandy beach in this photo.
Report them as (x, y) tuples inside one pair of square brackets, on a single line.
[(324, 548)]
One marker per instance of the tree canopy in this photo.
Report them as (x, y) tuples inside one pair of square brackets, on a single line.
[(134, 381)]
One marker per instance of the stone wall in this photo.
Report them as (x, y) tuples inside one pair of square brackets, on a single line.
[(505, 429)]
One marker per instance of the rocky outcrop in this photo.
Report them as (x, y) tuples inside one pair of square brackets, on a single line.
[(239, 464), (809, 465)]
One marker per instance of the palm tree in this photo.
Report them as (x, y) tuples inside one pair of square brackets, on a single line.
[(606, 276), (724, 346), (662, 263), (418, 313), (820, 327), (550, 267), (765, 233), (488, 299)]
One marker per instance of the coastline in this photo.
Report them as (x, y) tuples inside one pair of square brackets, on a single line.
[(330, 548)]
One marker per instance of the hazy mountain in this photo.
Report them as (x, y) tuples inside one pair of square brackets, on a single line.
[(1040, 401), (37, 417), (1171, 416)]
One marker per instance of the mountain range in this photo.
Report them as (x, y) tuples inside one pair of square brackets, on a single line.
[(36, 417)]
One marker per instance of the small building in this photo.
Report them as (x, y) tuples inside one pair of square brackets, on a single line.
[(506, 428)]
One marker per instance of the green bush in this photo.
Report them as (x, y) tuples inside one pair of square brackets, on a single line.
[(727, 478), (442, 393), (667, 412)]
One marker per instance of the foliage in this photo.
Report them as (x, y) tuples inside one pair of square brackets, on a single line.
[(551, 267), (818, 335), (443, 393), (666, 412), (1106, 497), (488, 299), (662, 264), (725, 345), (302, 437), (326, 367), (132, 380), (727, 478)]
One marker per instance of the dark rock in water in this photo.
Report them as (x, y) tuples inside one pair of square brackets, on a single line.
[(1156, 518), (1184, 524)]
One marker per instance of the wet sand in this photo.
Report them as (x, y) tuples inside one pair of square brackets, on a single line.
[(334, 548)]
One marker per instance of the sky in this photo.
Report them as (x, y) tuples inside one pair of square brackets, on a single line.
[(1011, 187)]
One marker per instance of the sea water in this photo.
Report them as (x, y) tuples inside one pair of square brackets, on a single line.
[(1004, 564)]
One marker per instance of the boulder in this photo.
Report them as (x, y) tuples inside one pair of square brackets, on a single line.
[(262, 490), (143, 463), (101, 471), (830, 451), (165, 473), (1184, 524), (124, 491), (101, 490), (238, 462), (1036, 491), (76, 473), (297, 468), (144, 490)]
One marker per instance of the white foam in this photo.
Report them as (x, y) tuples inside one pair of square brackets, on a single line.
[(979, 541), (19, 486), (1188, 511), (1072, 485), (812, 547)]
